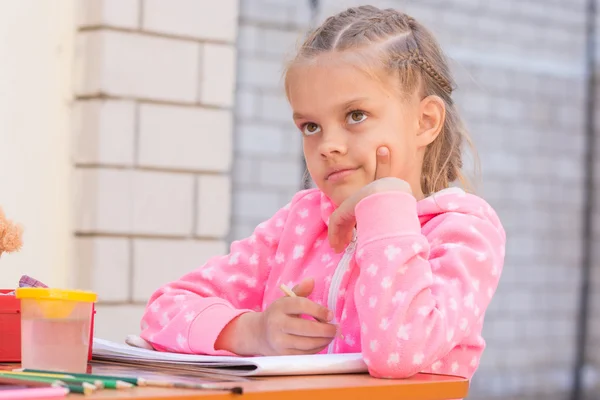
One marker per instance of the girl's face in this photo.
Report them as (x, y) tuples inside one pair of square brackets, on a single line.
[(344, 116)]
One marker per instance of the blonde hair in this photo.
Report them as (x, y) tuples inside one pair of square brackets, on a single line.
[(393, 41)]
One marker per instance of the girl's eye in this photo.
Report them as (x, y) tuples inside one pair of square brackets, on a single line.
[(310, 128), (355, 117)]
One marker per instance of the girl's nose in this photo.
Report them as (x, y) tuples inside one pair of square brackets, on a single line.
[(333, 144)]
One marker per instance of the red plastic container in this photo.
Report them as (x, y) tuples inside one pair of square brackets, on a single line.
[(10, 328)]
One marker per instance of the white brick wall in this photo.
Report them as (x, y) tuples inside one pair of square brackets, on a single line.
[(113, 13), (185, 138), (159, 261), (135, 65), (134, 202), (163, 203), (103, 200), (218, 72), (116, 321), (104, 132), (213, 205), (152, 130), (99, 257), (198, 19)]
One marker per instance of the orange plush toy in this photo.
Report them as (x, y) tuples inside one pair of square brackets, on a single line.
[(10, 235)]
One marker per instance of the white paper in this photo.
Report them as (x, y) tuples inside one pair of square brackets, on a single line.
[(241, 366)]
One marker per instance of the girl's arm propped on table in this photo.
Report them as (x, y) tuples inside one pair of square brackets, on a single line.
[(187, 315)]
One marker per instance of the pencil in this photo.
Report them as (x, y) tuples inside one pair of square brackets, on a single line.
[(79, 387), (205, 386), (290, 293), (29, 383), (145, 382), (67, 378), (107, 382), (119, 382)]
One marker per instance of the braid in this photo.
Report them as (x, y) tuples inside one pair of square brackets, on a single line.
[(428, 68)]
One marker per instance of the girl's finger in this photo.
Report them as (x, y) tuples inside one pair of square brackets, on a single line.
[(302, 327), (293, 351), (304, 306), (304, 288), (341, 223), (383, 167), (307, 344)]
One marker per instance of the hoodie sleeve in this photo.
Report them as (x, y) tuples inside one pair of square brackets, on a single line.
[(187, 316), (419, 292)]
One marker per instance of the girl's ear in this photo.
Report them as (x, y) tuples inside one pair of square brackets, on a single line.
[(432, 114)]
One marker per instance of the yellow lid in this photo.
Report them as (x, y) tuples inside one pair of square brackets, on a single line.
[(56, 294)]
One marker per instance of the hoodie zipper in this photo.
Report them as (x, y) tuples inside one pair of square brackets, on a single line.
[(336, 281)]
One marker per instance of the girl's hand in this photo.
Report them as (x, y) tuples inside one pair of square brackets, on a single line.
[(343, 219), (281, 331)]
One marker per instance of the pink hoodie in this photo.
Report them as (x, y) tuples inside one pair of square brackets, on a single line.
[(410, 292)]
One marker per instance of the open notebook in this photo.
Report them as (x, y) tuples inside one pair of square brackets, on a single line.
[(238, 366)]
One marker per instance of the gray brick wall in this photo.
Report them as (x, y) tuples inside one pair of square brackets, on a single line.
[(267, 146), (593, 343), (519, 67)]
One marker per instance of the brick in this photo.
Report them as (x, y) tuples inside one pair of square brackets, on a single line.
[(193, 18), (255, 11), (104, 132), (260, 74), (113, 13), (115, 321), (279, 43), (103, 200), (133, 65), (246, 104), (275, 108), (248, 39), (428, 16), (244, 171), (103, 267), (162, 203), (213, 206), (259, 139), (242, 231), (280, 174), (301, 14), (293, 139), (159, 261), (256, 204), (175, 137), (217, 86)]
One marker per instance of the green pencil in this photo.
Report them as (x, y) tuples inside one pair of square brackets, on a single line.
[(146, 382), (74, 387), (62, 376), (110, 382)]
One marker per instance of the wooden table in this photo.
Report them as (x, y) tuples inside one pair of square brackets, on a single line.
[(316, 387), (313, 387)]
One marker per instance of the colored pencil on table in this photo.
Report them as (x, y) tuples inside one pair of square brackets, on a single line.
[(109, 382), (146, 382), (156, 383), (29, 383), (79, 387), (205, 386), (67, 378)]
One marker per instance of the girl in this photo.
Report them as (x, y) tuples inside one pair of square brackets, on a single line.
[(388, 260)]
